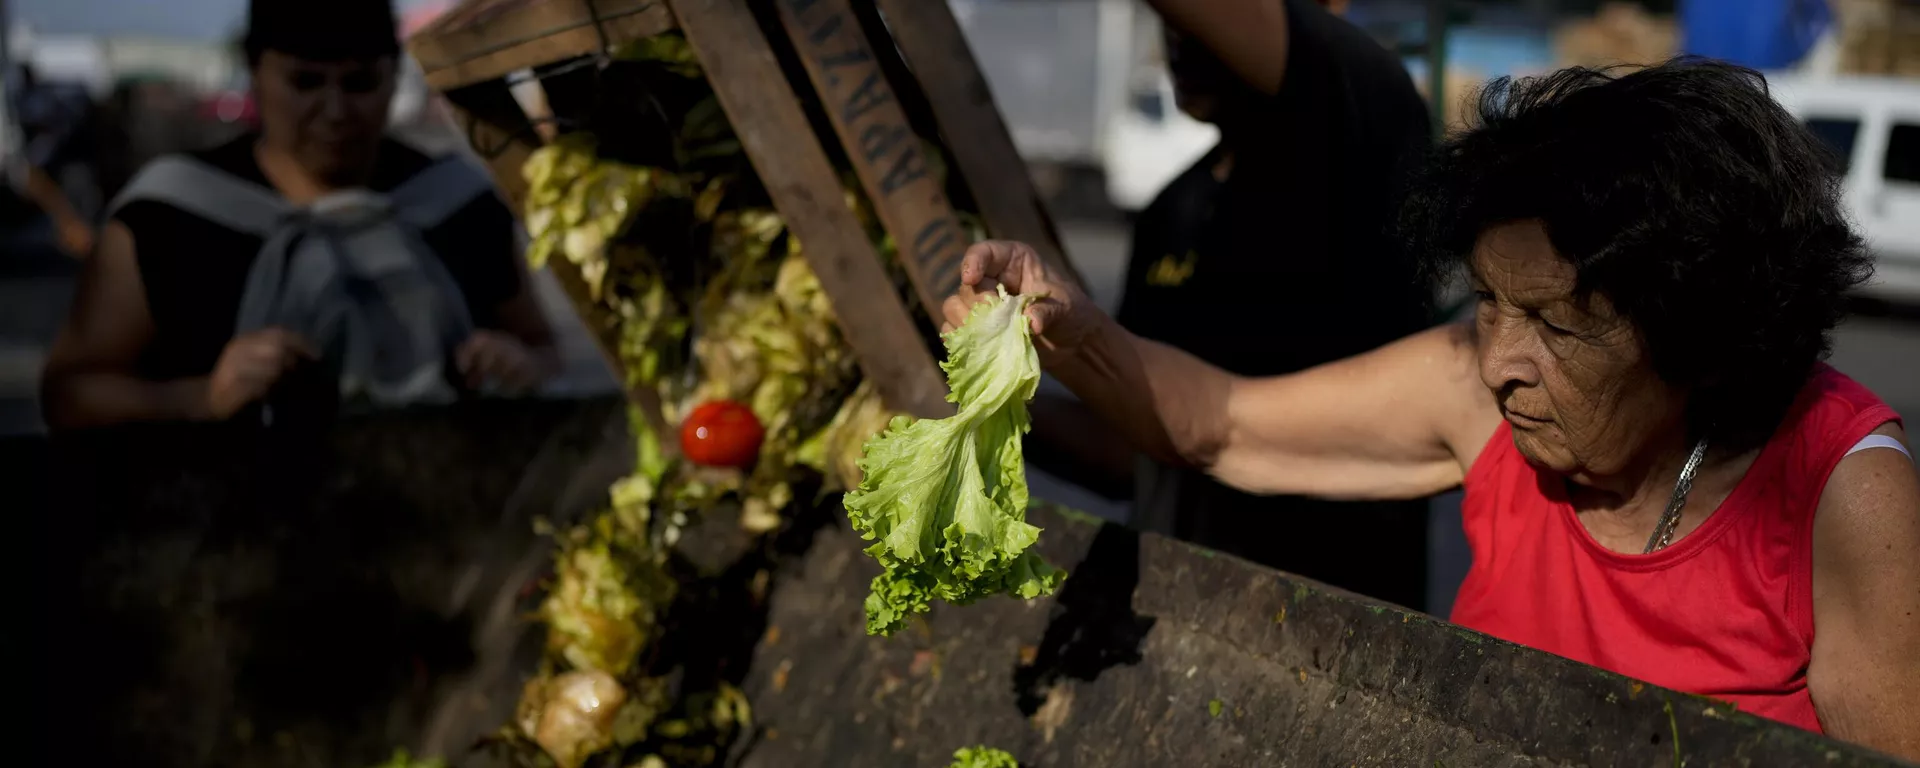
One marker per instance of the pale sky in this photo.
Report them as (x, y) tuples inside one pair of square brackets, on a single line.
[(204, 20)]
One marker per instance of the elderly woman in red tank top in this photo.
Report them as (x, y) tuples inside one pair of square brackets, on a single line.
[(1662, 477)]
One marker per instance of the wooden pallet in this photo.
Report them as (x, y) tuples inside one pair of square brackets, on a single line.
[(867, 75)]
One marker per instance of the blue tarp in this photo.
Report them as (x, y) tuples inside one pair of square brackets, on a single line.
[(1763, 34)]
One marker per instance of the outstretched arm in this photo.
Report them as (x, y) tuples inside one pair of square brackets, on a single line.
[(1403, 421), (1249, 36)]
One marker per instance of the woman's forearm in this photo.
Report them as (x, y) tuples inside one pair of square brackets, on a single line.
[(1249, 36), (1169, 404), (84, 400)]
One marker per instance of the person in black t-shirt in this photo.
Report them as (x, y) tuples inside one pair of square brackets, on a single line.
[(152, 333), (1271, 255)]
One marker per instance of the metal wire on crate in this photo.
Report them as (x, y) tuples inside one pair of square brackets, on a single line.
[(599, 29), (490, 150), (598, 61)]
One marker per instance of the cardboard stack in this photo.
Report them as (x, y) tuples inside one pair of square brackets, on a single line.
[(1878, 37), (1621, 33), (1462, 89)]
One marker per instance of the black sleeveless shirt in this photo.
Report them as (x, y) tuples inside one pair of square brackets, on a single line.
[(195, 270)]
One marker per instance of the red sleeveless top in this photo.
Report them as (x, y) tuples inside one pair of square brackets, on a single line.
[(1725, 612)]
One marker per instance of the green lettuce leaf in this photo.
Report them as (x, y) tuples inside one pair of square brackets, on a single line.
[(945, 500), (983, 757), (401, 759)]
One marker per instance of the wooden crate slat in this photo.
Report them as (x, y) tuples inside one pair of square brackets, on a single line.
[(886, 153), (486, 39), (465, 14), (781, 144), (976, 136), (478, 27)]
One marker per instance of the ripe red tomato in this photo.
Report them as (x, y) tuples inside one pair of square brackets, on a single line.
[(721, 433)]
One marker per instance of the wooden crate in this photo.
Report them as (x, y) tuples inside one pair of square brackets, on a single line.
[(482, 40), (877, 70)]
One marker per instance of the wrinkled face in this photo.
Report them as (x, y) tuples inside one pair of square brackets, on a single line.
[(1572, 376), (328, 115)]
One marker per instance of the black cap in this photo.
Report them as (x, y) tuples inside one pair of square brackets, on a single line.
[(338, 30)]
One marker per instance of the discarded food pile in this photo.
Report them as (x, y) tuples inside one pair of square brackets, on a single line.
[(721, 322)]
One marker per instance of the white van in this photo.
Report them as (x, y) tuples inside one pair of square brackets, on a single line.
[(1874, 125), (1150, 142)]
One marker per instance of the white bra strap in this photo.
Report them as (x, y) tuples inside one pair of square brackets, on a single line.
[(1878, 441)]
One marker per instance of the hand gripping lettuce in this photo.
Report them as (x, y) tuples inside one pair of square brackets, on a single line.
[(944, 501)]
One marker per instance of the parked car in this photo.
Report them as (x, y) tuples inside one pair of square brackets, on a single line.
[(1873, 126)]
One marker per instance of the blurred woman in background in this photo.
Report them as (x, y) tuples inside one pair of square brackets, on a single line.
[(228, 276)]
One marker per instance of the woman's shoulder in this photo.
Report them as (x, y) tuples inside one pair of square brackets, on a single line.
[(400, 162), (1833, 411), (140, 207), (1828, 384), (1831, 416)]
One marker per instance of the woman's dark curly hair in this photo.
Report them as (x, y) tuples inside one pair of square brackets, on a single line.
[(1683, 193)]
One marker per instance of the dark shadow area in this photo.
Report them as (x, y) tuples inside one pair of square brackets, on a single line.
[(221, 596), (223, 592), (337, 643), (726, 577), (720, 611), (36, 286), (1093, 627), (1883, 308)]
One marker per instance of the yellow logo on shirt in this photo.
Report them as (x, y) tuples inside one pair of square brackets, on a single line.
[(1169, 273)]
